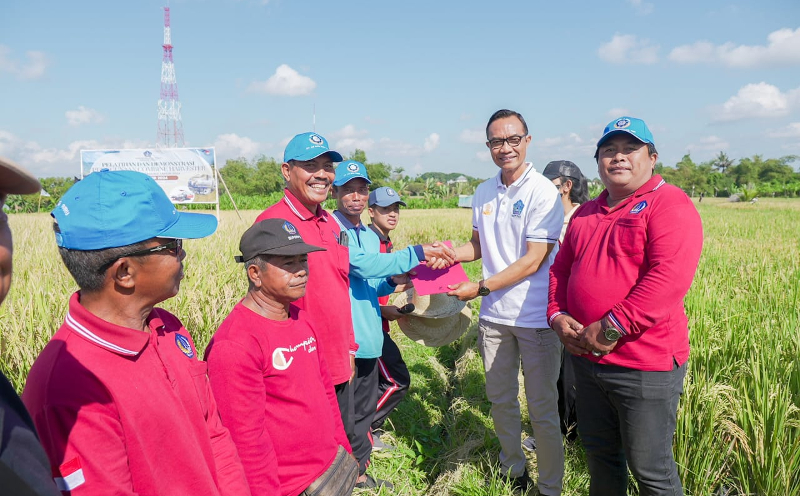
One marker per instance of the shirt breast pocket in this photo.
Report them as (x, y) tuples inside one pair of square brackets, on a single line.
[(198, 370), (627, 238)]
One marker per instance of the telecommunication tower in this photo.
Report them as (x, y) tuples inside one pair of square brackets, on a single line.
[(170, 127)]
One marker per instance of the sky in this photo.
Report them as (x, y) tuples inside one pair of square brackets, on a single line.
[(411, 83)]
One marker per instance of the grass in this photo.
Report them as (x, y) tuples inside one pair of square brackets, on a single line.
[(738, 422)]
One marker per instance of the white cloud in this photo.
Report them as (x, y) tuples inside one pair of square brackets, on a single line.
[(286, 82), (348, 138), (790, 131), (782, 49), (618, 112), (472, 136), (757, 100), (231, 146), (33, 68), (48, 162), (643, 8), (709, 143), (628, 49), (484, 156), (83, 115), (570, 139), (431, 142)]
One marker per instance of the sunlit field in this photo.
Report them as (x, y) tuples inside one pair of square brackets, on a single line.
[(738, 424)]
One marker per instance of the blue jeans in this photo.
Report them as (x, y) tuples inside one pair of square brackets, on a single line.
[(627, 418)]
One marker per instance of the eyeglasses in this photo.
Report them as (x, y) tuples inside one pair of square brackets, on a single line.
[(513, 141), (175, 246)]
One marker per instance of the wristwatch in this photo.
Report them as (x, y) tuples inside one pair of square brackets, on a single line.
[(483, 290), (610, 332)]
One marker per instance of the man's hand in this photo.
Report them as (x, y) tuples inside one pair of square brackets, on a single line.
[(352, 368), (390, 312), (401, 279), (439, 255), (594, 341), (464, 291), (568, 330)]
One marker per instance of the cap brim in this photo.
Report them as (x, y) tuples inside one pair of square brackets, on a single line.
[(388, 204), (15, 180), (312, 154), (339, 182), (615, 132), (191, 226), (285, 251)]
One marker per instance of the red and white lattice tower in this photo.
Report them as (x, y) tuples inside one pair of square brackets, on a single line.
[(170, 127)]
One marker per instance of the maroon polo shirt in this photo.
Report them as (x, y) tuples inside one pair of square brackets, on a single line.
[(121, 411), (633, 263), (327, 299)]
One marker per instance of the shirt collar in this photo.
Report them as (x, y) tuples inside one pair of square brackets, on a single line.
[(519, 181), (116, 339), (346, 224), (300, 210), (651, 185), (384, 239)]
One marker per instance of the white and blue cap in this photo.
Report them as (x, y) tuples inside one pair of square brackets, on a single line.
[(109, 209), (308, 146), (349, 170), (384, 197), (629, 125)]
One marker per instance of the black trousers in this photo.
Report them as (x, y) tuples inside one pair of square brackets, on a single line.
[(344, 396), (365, 400), (393, 380)]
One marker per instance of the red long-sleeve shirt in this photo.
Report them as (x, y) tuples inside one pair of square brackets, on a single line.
[(634, 263), (327, 298), (125, 412), (276, 397)]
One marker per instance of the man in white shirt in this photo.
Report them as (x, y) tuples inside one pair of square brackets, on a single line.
[(516, 221)]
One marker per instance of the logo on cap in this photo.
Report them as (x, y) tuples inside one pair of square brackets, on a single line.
[(639, 207), (390, 192), (622, 123), (352, 167), (148, 153), (316, 139), (289, 227), (184, 345)]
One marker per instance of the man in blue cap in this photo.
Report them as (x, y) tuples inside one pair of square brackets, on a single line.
[(308, 169), (118, 395), (370, 276), (616, 301)]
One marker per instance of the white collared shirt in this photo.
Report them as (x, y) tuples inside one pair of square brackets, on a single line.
[(507, 218)]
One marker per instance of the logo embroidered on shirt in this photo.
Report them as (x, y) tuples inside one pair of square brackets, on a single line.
[(279, 360), (487, 209), (517, 212), (639, 207), (71, 475), (184, 345)]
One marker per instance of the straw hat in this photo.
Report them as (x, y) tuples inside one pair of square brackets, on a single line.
[(437, 319)]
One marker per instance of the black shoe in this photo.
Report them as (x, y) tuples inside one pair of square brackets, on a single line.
[(371, 483), (519, 484), (529, 444)]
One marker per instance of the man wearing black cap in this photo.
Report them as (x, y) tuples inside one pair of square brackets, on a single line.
[(616, 301), (572, 186), (24, 468), (269, 376)]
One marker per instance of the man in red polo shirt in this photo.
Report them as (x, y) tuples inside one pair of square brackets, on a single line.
[(309, 172), (616, 300), (120, 399)]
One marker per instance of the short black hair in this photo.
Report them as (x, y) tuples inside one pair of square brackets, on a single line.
[(580, 189), (651, 150), (86, 266), (259, 261), (502, 114)]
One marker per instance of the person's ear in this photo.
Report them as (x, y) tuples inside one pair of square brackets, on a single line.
[(254, 274), (568, 185), (124, 273)]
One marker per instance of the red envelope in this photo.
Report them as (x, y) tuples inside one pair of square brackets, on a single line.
[(429, 281)]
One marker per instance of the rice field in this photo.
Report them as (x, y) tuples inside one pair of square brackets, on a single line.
[(739, 419)]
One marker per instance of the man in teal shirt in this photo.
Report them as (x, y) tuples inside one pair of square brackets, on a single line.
[(372, 274)]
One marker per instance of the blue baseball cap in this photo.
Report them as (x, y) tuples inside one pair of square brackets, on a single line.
[(109, 209), (308, 146), (349, 170), (385, 196), (630, 125)]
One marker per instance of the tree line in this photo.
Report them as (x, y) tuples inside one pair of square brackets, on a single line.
[(254, 181)]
